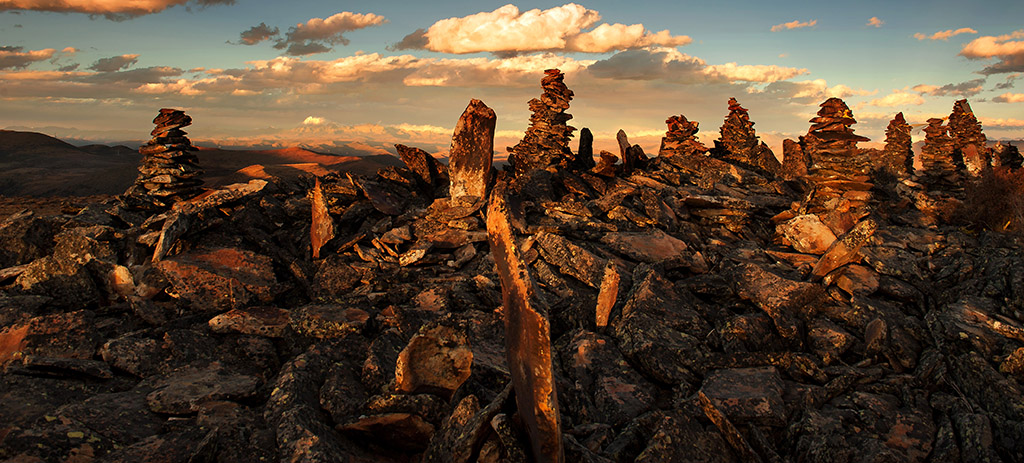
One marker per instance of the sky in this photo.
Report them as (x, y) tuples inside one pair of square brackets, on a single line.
[(347, 77)]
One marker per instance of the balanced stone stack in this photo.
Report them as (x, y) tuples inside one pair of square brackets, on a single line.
[(680, 140), (739, 143), (941, 171), (838, 170), (169, 172), (546, 142), (969, 143), (898, 155)]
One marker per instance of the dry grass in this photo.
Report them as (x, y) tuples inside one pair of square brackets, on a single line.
[(995, 201)]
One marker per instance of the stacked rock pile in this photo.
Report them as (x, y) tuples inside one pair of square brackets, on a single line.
[(898, 156), (546, 141), (941, 171), (969, 143), (739, 143), (169, 171), (838, 170)]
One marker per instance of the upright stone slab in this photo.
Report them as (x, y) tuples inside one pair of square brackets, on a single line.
[(527, 336), (472, 153), (321, 228)]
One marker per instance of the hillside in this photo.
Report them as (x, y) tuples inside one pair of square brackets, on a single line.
[(38, 165)]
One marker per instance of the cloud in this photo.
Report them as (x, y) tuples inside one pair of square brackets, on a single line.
[(313, 120), (753, 73), (875, 22), (946, 34), (257, 34), (113, 10), (114, 63), (1001, 123), (312, 36), (1007, 48), (793, 25), (517, 71), (1009, 98), (898, 98), (506, 30), (1008, 83), (811, 91), (969, 88), (15, 58)]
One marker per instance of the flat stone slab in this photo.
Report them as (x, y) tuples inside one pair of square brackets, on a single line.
[(747, 395), (183, 391)]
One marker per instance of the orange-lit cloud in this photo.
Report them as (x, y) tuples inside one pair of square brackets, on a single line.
[(112, 9), (946, 34), (506, 30), (1008, 48), (15, 58), (898, 98), (1009, 98), (875, 22), (794, 25)]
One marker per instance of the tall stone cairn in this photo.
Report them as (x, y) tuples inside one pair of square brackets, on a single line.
[(546, 142), (739, 143), (969, 143), (169, 171), (838, 170), (681, 139), (898, 154), (941, 170)]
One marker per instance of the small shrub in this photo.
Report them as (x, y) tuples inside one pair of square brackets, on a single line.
[(995, 201)]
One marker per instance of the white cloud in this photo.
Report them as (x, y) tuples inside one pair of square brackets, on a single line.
[(753, 73), (313, 120), (507, 30), (898, 98), (946, 34), (1009, 98), (875, 22), (794, 25)]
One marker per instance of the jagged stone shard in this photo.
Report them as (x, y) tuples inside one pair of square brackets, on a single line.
[(321, 230), (472, 152), (527, 336)]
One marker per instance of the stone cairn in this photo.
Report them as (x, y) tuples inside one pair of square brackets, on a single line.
[(898, 155), (941, 170), (838, 170), (546, 142), (169, 171), (681, 139), (739, 143), (969, 143)]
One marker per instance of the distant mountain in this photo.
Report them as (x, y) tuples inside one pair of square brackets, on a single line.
[(35, 164)]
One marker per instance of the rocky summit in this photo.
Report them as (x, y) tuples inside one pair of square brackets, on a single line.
[(682, 307)]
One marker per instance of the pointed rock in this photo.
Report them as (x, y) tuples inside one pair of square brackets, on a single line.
[(472, 153), (321, 230)]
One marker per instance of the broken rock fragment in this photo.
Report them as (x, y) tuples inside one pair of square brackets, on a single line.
[(527, 336)]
